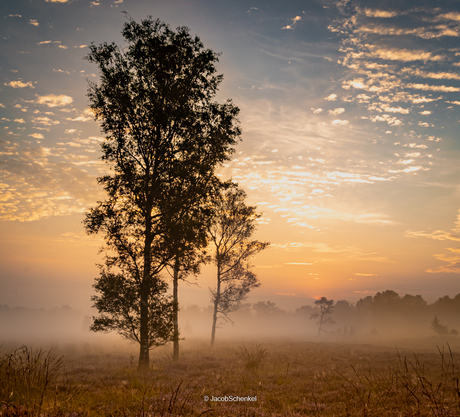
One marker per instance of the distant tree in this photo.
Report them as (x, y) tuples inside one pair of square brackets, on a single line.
[(164, 137), (306, 310), (439, 328), (326, 308), (344, 313), (266, 308), (364, 305), (414, 303), (386, 302), (230, 233)]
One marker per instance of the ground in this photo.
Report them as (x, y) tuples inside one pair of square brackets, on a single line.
[(246, 378)]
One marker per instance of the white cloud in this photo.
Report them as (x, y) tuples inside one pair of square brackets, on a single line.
[(337, 111), (356, 83), (379, 13), (403, 55), (61, 71), (331, 97), (392, 121), (451, 16), (414, 145), (291, 26), (37, 135), (389, 109), (52, 100), (45, 121), (34, 22), (79, 119), (426, 87), (20, 84), (318, 110), (340, 122)]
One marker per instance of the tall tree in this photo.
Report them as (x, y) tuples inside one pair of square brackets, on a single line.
[(164, 137), (231, 229)]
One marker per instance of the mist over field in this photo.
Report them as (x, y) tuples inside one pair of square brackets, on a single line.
[(385, 318), (383, 354)]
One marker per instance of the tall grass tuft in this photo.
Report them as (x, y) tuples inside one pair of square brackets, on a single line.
[(252, 357), (410, 387), (26, 377)]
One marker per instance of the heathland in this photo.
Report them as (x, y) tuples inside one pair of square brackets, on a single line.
[(325, 376)]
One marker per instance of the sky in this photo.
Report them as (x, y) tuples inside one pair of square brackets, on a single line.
[(350, 145)]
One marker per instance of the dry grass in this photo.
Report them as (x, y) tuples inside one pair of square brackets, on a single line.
[(289, 379)]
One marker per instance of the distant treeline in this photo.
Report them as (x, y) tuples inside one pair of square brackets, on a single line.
[(385, 313)]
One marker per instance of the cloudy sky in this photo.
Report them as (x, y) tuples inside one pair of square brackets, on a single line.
[(350, 119)]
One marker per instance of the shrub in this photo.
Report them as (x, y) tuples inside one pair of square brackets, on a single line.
[(253, 357)]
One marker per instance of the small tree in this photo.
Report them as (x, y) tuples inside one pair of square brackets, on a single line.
[(232, 227), (326, 308), (439, 328), (119, 308)]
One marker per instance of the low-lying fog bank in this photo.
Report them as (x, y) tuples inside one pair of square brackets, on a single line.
[(385, 319)]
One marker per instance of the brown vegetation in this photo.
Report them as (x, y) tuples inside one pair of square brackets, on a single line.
[(288, 379)]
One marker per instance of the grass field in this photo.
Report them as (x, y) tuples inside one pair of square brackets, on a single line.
[(287, 379)]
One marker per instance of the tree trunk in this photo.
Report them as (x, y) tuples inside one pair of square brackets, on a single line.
[(176, 310), (216, 305), (144, 359), (144, 329)]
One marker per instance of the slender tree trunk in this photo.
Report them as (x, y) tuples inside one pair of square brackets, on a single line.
[(144, 359), (216, 305), (176, 310)]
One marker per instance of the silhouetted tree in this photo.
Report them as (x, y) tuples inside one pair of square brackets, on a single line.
[(344, 313), (232, 227), (119, 308), (266, 308), (439, 328), (326, 308), (164, 137)]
